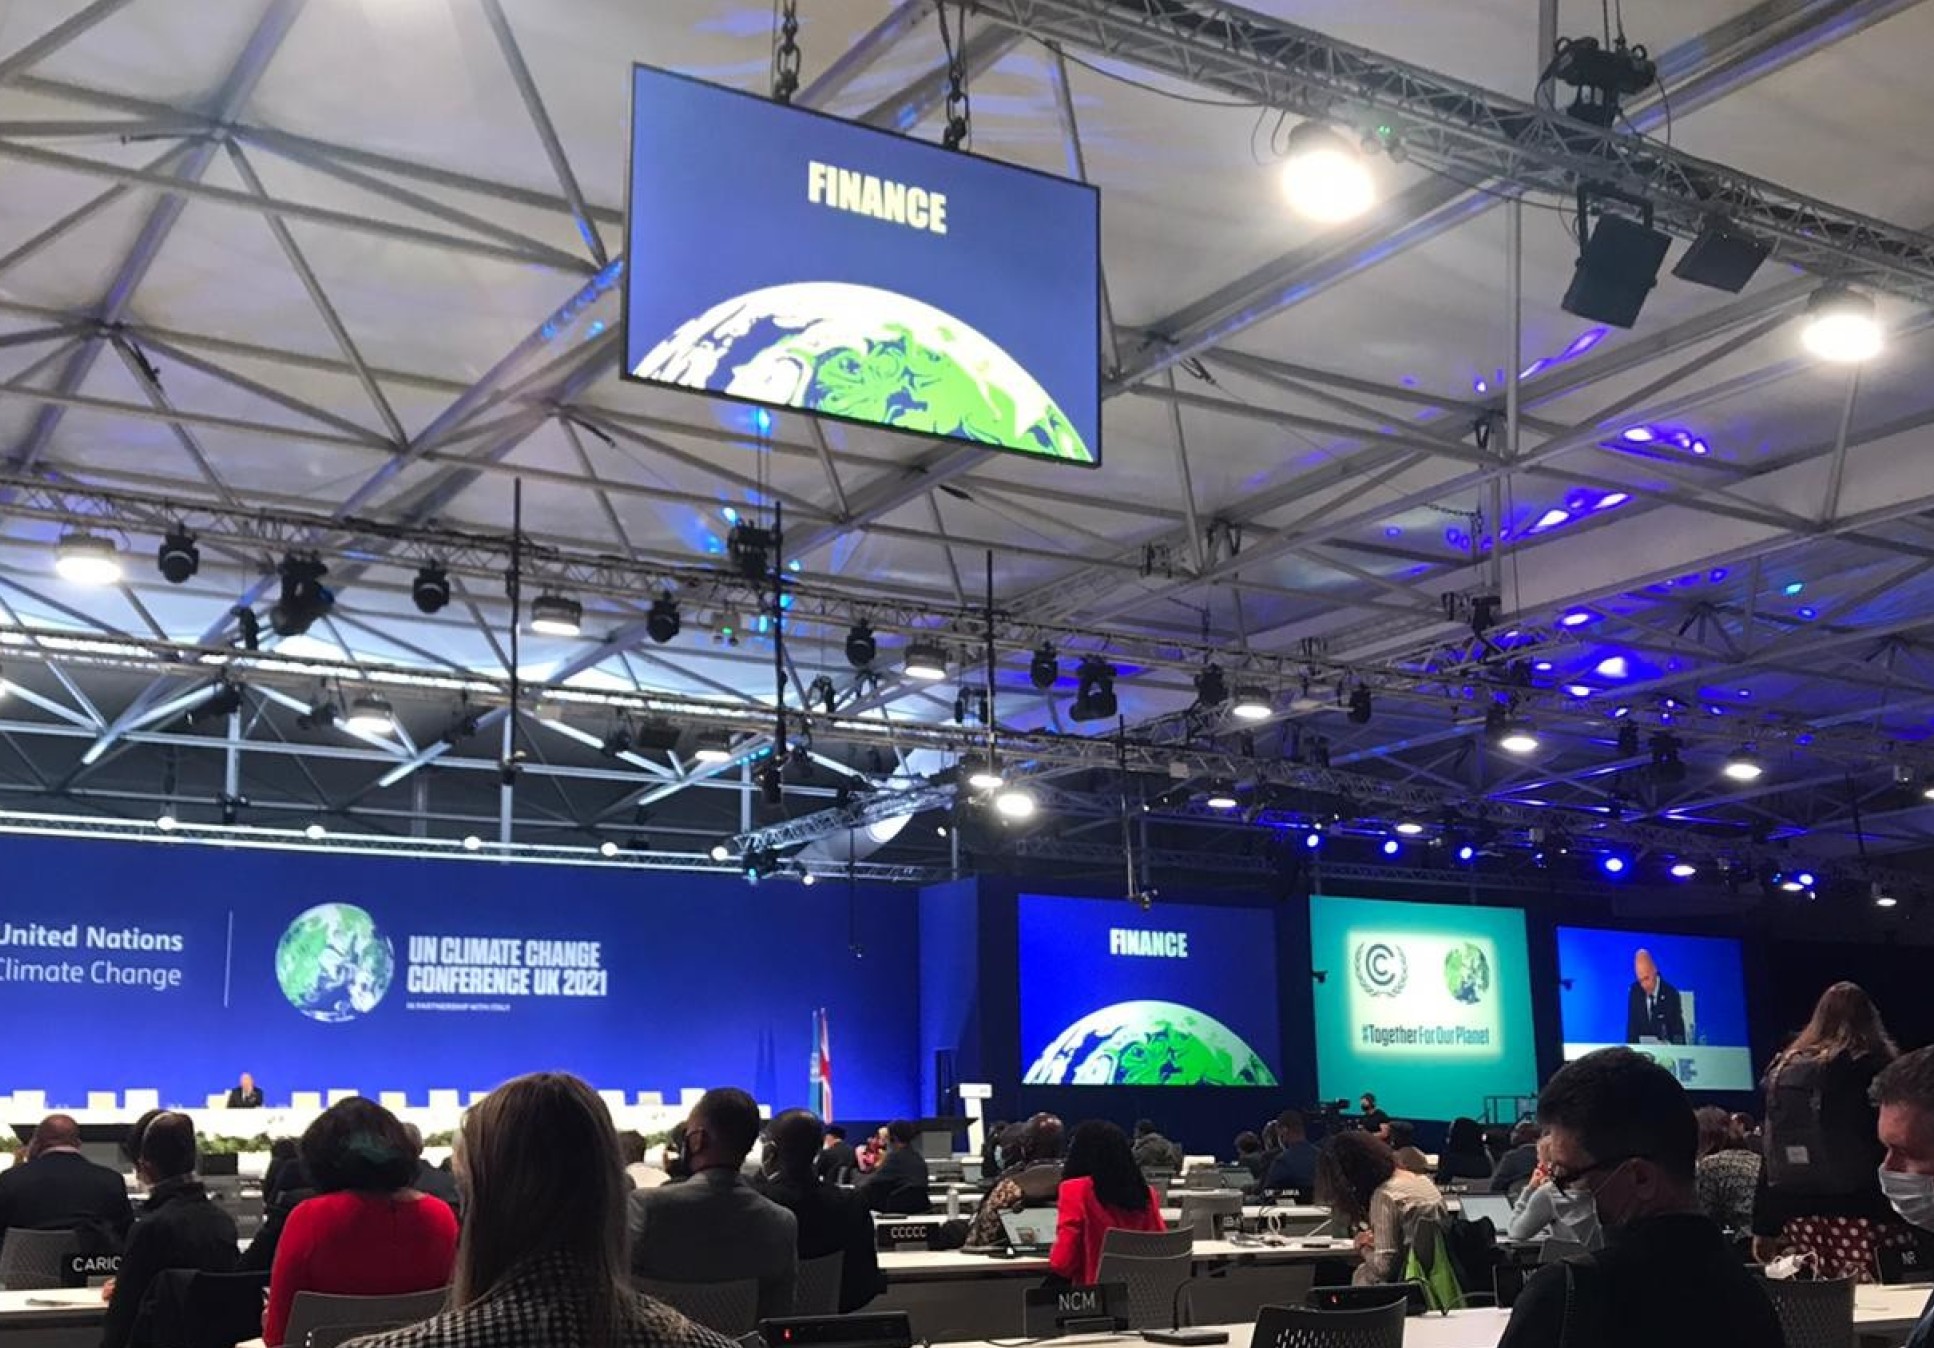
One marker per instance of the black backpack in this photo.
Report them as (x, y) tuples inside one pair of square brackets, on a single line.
[(1805, 1151)]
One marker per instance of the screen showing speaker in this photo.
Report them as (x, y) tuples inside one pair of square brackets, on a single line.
[(786, 258), (1681, 999), (1177, 995), (1428, 1006)]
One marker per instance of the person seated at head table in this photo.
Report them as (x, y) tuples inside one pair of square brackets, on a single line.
[(245, 1094)]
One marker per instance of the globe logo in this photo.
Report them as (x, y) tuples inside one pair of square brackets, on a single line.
[(1467, 973), (1382, 969), (1149, 1043), (333, 964)]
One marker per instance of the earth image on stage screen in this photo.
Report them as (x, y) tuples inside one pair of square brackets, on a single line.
[(1149, 1044), (869, 354), (333, 964)]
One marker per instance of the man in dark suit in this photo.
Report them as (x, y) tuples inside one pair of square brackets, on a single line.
[(1652, 1009), (245, 1094), (901, 1184), (180, 1227), (58, 1189), (836, 1162), (1294, 1169), (715, 1227), (431, 1180), (831, 1220)]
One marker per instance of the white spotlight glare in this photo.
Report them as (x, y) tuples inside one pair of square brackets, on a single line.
[(1324, 177), (985, 779), (314, 832), (371, 715), (1519, 738), (1410, 828), (1683, 870), (1015, 802), (720, 852), (557, 615), (1252, 704), (87, 559), (1744, 767), (607, 849), (925, 661), (1841, 326), (472, 843), (166, 823)]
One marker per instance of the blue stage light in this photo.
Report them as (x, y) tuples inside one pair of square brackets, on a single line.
[(1391, 847)]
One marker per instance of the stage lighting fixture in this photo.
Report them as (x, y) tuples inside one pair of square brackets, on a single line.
[(807, 878), (1015, 802), (304, 598), (557, 615), (662, 622), (430, 591), (178, 558), (925, 660), (1882, 899), (1094, 698), (224, 700), (1410, 828), (1616, 270), (1466, 853), (860, 646), (370, 714), (1613, 864), (1518, 737), (1312, 840), (1744, 766), (315, 832), (167, 823), (472, 843), (1045, 667), (1927, 792), (980, 774), (750, 548), (607, 849), (87, 559), (616, 744), (1360, 707), (970, 704), (713, 747), (1391, 847), (1683, 870), (772, 783), (1211, 688), (1221, 795), (720, 852), (1841, 326), (1325, 177), (1724, 256), (1252, 704)]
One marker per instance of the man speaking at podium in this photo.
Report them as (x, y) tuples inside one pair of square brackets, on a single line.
[(1652, 1009), (245, 1094)]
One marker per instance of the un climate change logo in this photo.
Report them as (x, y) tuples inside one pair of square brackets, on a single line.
[(333, 964), (1382, 970), (1467, 973)]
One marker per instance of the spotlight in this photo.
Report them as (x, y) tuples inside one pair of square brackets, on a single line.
[(772, 782), (1312, 840), (1613, 864), (1616, 270), (304, 597), (662, 623), (370, 715), (1466, 853), (1410, 828), (1683, 870), (720, 852), (1360, 708), (970, 704), (1211, 689), (178, 558), (1882, 899), (1015, 802), (1805, 878), (1927, 792), (925, 660), (749, 546), (607, 849), (320, 716), (224, 700), (808, 879), (87, 559), (713, 748), (616, 744), (472, 843), (726, 627), (557, 615), (1045, 667), (1324, 176), (430, 591), (314, 832), (1841, 326), (1391, 847), (1094, 698), (1222, 795), (166, 823), (1518, 737), (1252, 703), (981, 775), (860, 646), (1744, 766), (1723, 256)]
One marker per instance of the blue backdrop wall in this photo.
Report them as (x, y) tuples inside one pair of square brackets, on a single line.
[(174, 967)]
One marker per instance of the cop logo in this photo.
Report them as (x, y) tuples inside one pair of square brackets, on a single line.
[(1381, 968)]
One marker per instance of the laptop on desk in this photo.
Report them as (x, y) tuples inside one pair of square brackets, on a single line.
[(1495, 1206), (1029, 1232)]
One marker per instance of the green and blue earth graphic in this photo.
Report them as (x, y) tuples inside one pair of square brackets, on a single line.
[(1149, 1043), (333, 964)]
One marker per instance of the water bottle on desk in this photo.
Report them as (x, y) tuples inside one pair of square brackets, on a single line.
[(953, 1201)]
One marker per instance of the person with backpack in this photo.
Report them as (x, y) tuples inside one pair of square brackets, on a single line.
[(1819, 1188)]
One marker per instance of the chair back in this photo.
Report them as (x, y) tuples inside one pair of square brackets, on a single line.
[(319, 1310), (1147, 1244), (817, 1291), (31, 1261), (728, 1308), (1814, 1314), (334, 1336), (191, 1309), (1155, 1296), (1300, 1327)]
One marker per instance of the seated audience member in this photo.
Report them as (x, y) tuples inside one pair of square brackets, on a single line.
[(1517, 1163), (991, 1160), (1250, 1157), (366, 1231), (831, 1220), (1620, 1131), (1400, 1136), (179, 1227), (1545, 1212), (285, 1169), (639, 1171), (900, 1183), (58, 1189), (1904, 1092), (1463, 1157), (1372, 1119), (431, 1180), (715, 1227), (672, 1159), (872, 1152), (1358, 1179), (1746, 1130), (1727, 1172), (245, 1094), (543, 1258), (837, 1162), (1294, 1168), (1033, 1181), (1102, 1188), (1153, 1151)]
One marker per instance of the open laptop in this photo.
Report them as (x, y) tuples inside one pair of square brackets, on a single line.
[(1495, 1206), (1029, 1231)]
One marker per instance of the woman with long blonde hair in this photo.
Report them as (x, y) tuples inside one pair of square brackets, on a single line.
[(544, 1259)]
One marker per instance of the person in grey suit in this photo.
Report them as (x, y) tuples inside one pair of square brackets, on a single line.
[(715, 1227)]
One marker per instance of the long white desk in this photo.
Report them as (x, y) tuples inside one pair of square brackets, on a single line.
[(62, 1319)]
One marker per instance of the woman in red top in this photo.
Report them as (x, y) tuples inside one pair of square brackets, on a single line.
[(366, 1232), (1101, 1188)]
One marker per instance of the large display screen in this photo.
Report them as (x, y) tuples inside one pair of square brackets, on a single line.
[(174, 968), (1427, 1006), (795, 260), (1178, 995), (1681, 999)]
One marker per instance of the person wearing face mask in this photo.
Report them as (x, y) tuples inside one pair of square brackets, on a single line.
[(1620, 1130), (1904, 1091)]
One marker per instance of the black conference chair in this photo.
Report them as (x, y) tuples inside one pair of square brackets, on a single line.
[(1300, 1327), (1814, 1314)]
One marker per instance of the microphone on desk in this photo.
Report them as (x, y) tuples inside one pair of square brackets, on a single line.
[(1175, 1334)]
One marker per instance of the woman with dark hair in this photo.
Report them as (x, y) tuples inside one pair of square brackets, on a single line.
[(1101, 1189), (1357, 1179), (1463, 1156), (544, 1257), (366, 1232), (1819, 1188), (1727, 1171)]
